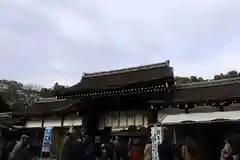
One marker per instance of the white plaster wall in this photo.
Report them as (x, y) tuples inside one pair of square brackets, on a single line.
[(123, 119)]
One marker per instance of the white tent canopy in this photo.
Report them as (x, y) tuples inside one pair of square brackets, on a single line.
[(201, 117), (33, 124), (52, 122), (72, 121)]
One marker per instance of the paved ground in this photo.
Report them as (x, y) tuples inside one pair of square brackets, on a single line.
[(46, 159)]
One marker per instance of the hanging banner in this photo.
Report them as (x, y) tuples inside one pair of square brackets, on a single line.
[(47, 140), (156, 136)]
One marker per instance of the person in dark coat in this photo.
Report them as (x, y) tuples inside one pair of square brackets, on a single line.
[(121, 148), (97, 147), (65, 148), (190, 150), (77, 150), (7, 148), (108, 151), (104, 153), (21, 150), (165, 149), (89, 149), (178, 152)]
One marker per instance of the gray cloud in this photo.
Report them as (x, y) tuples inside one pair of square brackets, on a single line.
[(47, 41)]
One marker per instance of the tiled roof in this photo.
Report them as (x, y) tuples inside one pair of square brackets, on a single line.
[(131, 69), (45, 107), (210, 83), (206, 91), (119, 78)]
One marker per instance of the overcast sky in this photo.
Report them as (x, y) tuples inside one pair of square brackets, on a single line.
[(44, 41)]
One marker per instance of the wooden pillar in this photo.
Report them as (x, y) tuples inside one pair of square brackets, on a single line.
[(152, 117), (90, 123), (186, 108)]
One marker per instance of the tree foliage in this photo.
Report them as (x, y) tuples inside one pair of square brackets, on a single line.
[(184, 80), (230, 74), (51, 92), (192, 79), (14, 94)]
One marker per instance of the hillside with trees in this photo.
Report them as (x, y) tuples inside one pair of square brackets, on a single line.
[(16, 94), (184, 80)]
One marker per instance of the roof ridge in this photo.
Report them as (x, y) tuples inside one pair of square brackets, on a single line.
[(129, 69), (50, 99), (209, 83)]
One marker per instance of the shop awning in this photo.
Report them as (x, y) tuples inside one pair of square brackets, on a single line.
[(201, 117)]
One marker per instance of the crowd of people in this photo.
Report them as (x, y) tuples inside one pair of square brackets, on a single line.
[(84, 147), (117, 148), (191, 150)]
